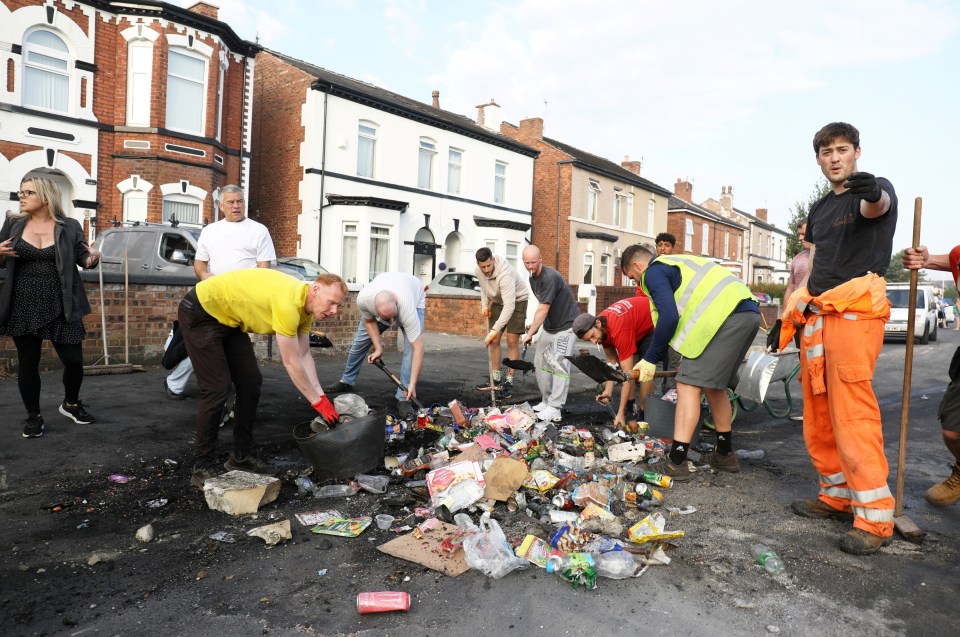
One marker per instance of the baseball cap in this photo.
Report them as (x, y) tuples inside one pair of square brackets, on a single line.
[(583, 323)]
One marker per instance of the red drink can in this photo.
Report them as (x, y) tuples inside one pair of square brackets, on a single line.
[(382, 602)]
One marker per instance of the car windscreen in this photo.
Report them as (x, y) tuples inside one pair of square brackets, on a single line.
[(900, 297)]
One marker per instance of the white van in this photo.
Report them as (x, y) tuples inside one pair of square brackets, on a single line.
[(925, 327)]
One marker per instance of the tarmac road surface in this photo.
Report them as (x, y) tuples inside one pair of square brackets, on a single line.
[(184, 583)]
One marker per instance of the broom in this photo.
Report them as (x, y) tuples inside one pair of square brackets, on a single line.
[(126, 368)]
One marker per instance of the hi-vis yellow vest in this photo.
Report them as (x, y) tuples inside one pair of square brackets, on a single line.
[(707, 295)]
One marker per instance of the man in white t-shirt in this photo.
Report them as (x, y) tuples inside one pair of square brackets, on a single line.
[(392, 298), (235, 242)]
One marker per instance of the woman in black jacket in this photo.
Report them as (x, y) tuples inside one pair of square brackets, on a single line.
[(43, 297)]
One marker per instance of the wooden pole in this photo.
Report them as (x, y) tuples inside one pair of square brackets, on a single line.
[(902, 523)]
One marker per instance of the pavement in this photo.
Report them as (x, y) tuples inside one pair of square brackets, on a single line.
[(78, 570)]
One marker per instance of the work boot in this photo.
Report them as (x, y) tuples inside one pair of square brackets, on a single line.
[(33, 426), (170, 394), (818, 509), (860, 542), (506, 389), (339, 387), (203, 473), (721, 462), (941, 495), (678, 472), (250, 463)]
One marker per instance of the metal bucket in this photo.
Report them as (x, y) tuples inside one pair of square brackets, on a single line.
[(761, 369), (346, 450)]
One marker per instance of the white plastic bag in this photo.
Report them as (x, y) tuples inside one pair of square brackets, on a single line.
[(488, 552)]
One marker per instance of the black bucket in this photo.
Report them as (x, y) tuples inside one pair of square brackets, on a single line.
[(660, 415), (347, 449)]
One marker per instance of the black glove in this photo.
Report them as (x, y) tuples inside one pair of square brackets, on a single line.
[(773, 337), (865, 185)]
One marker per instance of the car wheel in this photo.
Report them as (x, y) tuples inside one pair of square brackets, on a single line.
[(926, 334), (933, 334)]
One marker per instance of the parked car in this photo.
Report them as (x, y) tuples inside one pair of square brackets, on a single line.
[(949, 314), (763, 297), (164, 254), (456, 283), (925, 307)]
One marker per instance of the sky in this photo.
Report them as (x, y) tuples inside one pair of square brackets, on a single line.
[(720, 93)]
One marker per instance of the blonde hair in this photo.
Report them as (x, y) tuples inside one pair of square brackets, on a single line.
[(50, 195)]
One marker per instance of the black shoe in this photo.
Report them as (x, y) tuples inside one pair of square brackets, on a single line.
[(77, 413), (506, 389), (170, 394), (339, 387), (33, 426), (252, 464), (200, 475)]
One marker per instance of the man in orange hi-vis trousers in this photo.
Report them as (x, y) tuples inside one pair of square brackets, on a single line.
[(841, 308)]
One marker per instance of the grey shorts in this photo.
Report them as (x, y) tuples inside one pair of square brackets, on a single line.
[(949, 413), (717, 366)]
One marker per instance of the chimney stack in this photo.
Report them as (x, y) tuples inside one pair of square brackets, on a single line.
[(488, 116), (683, 189), (436, 99), (726, 200), (762, 214), (206, 9), (532, 128), (632, 166)]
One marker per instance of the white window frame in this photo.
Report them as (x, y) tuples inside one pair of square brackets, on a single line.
[(618, 207), (367, 133), (630, 220), (491, 245), (726, 244), (651, 214), (500, 182), (188, 53), (587, 267), (426, 157), (454, 170), (221, 78), (348, 265), (688, 236), (135, 206), (604, 274), (377, 238), (705, 239), (512, 254), (66, 57), (739, 247), (183, 199), (593, 195), (139, 82)]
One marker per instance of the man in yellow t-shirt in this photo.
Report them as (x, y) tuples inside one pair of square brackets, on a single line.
[(215, 318)]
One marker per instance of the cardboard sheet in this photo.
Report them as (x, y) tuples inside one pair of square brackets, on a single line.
[(425, 551), (503, 478)]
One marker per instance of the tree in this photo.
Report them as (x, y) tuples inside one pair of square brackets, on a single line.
[(799, 212), (896, 273)]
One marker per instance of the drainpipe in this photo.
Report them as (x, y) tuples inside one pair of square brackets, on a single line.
[(323, 172), (559, 164)]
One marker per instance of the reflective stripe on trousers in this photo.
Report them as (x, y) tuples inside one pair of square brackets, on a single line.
[(841, 425)]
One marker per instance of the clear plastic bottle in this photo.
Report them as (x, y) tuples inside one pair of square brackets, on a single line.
[(334, 491), (304, 485), (767, 558), (615, 565)]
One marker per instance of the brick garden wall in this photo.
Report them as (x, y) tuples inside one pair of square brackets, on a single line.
[(152, 309)]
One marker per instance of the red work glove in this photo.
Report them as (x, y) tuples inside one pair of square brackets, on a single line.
[(325, 408)]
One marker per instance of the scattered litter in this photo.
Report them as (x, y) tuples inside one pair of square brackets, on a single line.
[(687, 510), (336, 490), (343, 527), (272, 534), (773, 630), (373, 484), (322, 572), (437, 547), (171, 463), (157, 503), (304, 485), (316, 517), (750, 454), (382, 602), (223, 536), (118, 478), (145, 533), (384, 521)]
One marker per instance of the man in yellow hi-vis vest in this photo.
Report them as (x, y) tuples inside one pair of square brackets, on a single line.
[(710, 318)]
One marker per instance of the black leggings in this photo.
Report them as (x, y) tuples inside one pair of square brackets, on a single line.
[(28, 374)]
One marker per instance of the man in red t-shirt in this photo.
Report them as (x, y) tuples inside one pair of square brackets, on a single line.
[(623, 330), (947, 492)]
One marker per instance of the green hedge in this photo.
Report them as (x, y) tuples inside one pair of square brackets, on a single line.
[(775, 290)]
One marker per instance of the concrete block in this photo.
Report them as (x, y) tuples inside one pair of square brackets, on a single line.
[(240, 492)]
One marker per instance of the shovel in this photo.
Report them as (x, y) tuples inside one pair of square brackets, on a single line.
[(520, 364), (602, 372), (399, 384)]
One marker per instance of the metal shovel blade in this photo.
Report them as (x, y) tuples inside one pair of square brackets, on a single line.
[(756, 375), (597, 369)]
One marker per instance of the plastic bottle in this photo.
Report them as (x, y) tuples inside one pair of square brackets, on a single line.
[(304, 485), (767, 558), (334, 491), (615, 565)]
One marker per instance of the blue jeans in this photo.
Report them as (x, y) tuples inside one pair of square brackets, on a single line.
[(361, 345)]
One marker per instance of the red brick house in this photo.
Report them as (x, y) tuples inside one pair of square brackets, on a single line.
[(138, 110), (703, 233)]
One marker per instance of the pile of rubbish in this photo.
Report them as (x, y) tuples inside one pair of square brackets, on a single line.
[(574, 503)]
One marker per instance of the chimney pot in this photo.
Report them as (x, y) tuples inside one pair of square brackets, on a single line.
[(436, 99)]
